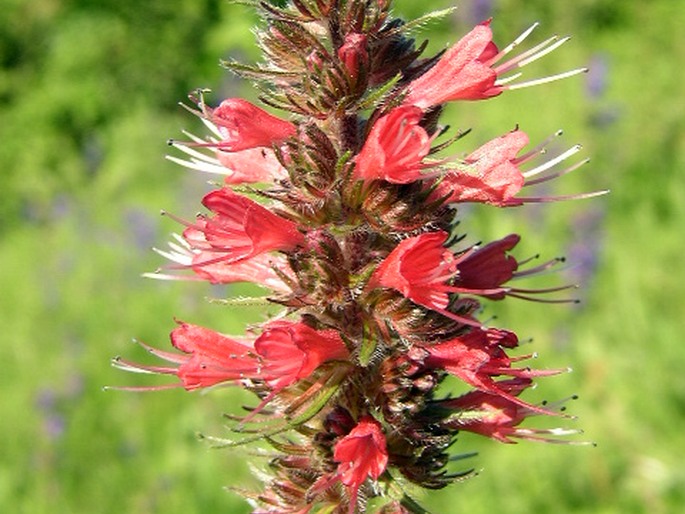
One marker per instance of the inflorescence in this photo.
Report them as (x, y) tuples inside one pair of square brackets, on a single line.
[(342, 210)]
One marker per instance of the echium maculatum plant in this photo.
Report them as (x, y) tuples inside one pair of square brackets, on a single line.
[(351, 230)]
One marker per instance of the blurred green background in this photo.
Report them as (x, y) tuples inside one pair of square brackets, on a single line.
[(88, 98)]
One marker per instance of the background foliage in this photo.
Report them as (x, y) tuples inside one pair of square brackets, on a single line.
[(88, 94)]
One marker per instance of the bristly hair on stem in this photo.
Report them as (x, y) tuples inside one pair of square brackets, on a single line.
[(339, 198)]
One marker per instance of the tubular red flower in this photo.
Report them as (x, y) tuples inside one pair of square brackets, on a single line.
[(462, 73), (213, 358), (291, 351), (239, 229), (361, 454), (284, 353), (395, 148), (243, 125), (478, 356), (498, 417), (420, 268)]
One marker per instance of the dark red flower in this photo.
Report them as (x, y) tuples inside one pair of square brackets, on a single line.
[(353, 54), (498, 417), (483, 270), (478, 356), (361, 454), (395, 148)]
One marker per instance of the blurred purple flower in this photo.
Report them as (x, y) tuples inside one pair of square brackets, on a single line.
[(585, 251), (143, 228), (481, 10), (596, 78)]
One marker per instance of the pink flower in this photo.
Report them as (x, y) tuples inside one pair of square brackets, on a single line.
[(492, 174), (462, 73), (265, 270), (243, 125), (395, 148), (469, 70), (239, 229), (361, 454), (251, 165), (258, 270)]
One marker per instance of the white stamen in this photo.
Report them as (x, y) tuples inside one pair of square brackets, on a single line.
[(546, 80), (538, 149), (545, 51), (558, 174), (206, 167), (506, 80), (162, 276), (513, 44), (553, 162), (184, 259), (213, 128), (581, 196)]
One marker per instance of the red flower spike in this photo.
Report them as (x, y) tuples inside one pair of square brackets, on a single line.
[(243, 125), (353, 227), (395, 148), (239, 229), (462, 73), (361, 454), (492, 175)]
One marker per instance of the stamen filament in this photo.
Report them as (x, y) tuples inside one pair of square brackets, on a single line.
[(546, 80), (553, 162), (513, 44)]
